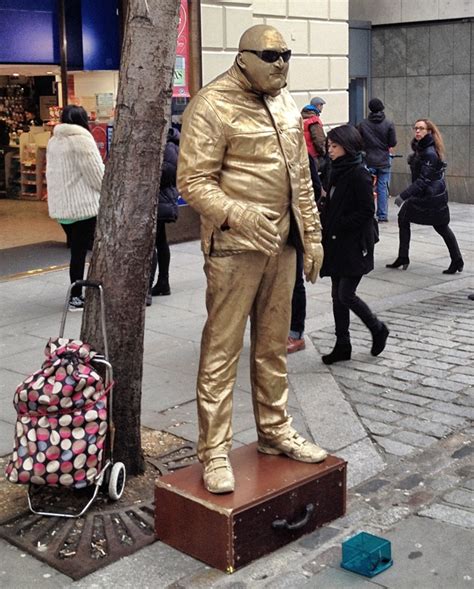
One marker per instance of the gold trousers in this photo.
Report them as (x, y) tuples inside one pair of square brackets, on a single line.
[(240, 285)]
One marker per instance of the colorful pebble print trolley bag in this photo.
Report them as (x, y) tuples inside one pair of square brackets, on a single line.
[(64, 420)]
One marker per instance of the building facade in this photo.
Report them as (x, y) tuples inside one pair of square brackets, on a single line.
[(31, 61), (316, 31), (422, 66)]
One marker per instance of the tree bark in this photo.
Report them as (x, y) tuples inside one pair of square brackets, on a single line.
[(126, 224)]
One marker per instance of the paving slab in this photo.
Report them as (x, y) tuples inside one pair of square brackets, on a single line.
[(363, 461), (428, 555), (333, 578), (155, 566), (7, 430), (450, 515), (18, 569), (332, 421), (165, 387), (461, 498)]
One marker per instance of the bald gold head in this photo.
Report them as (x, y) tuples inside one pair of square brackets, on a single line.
[(266, 77)]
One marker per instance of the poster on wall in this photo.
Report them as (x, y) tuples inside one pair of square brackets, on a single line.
[(180, 80), (104, 105)]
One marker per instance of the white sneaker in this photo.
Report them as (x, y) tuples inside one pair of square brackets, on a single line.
[(294, 446), (218, 475), (76, 304)]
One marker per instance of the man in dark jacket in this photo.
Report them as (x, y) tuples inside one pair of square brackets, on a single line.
[(379, 136)]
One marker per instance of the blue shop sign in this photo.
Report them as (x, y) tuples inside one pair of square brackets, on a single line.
[(30, 34), (28, 30)]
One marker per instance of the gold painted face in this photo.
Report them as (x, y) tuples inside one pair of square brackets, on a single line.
[(267, 77)]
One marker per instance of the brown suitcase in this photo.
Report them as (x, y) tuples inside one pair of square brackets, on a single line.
[(276, 500)]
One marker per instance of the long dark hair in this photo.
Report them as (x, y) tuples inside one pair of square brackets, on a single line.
[(347, 137), (75, 115)]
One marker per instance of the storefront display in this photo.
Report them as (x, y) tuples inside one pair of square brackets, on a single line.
[(14, 102), (33, 164)]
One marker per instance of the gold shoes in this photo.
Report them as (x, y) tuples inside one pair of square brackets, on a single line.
[(296, 447), (218, 475)]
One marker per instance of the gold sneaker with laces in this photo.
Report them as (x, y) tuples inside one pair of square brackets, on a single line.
[(218, 475), (294, 446)]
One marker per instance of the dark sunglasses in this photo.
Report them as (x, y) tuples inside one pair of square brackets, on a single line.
[(270, 55)]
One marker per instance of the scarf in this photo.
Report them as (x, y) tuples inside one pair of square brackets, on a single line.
[(343, 164), (423, 143)]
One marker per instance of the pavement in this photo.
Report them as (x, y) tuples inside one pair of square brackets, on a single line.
[(403, 421)]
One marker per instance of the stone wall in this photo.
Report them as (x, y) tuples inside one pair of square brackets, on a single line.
[(426, 71), (384, 12)]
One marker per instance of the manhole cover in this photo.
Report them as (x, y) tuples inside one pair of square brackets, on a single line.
[(107, 532)]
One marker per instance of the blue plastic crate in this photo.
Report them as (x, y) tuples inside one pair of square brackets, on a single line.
[(366, 554)]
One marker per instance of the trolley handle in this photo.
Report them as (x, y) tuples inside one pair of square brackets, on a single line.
[(88, 284)]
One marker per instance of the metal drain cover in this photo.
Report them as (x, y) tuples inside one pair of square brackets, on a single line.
[(78, 547)]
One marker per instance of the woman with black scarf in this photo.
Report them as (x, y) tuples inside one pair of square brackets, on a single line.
[(425, 201), (349, 235)]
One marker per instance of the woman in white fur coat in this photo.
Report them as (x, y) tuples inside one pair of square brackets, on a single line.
[(74, 172)]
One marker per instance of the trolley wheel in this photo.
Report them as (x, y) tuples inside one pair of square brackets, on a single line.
[(117, 479)]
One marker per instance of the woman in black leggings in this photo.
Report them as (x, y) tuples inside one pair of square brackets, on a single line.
[(425, 201), (167, 213), (349, 236)]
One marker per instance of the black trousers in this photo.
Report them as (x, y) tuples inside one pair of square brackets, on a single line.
[(313, 168), (161, 255), (344, 300), (298, 301), (80, 237), (444, 230)]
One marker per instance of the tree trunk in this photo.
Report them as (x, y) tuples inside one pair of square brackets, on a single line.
[(126, 223)]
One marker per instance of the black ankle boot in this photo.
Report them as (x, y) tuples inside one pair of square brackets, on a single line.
[(403, 262), (340, 352), (379, 339), (161, 288), (455, 266)]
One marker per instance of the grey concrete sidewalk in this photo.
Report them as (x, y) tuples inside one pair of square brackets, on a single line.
[(370, 411)]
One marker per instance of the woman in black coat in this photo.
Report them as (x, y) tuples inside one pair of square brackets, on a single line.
[(425, 201), (167, 213), (349, 235)]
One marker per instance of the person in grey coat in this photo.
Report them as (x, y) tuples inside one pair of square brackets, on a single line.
[(378, 134)]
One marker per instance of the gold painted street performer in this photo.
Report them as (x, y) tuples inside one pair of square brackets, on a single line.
[(243, 166)]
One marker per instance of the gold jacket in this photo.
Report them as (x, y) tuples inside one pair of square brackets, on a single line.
[(239, 145)]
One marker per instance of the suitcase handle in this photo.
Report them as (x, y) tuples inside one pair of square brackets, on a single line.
[(282, 524)]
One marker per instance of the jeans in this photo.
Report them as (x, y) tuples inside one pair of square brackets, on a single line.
[(444, 230), (80, 237), (344, 300), (298, 301), (383, 180)]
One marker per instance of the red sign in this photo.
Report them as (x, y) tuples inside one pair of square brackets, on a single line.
[(180, 78), (99, 132)]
